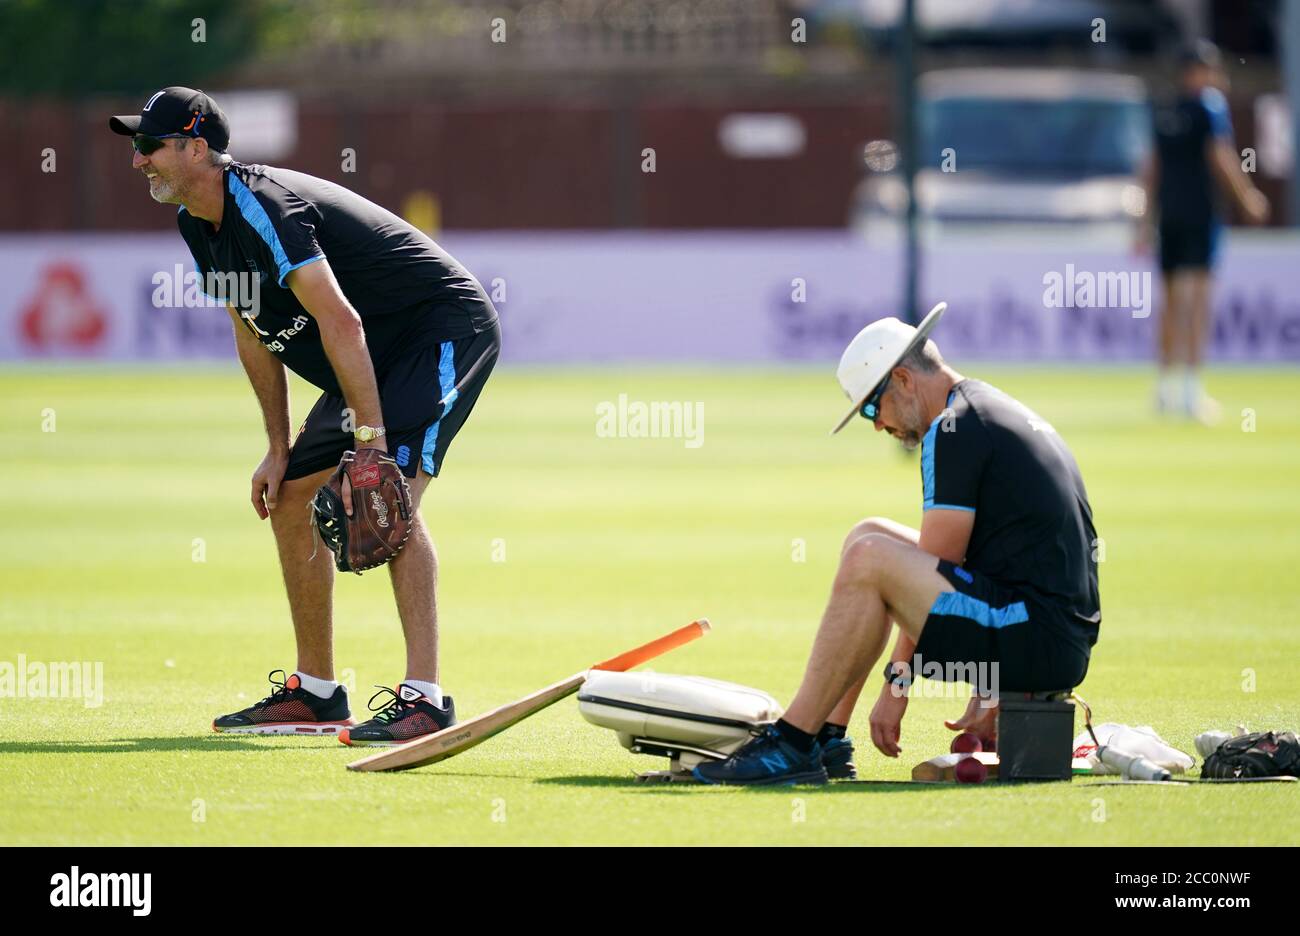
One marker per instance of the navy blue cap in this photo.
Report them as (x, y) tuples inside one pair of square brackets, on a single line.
[(178, 111)]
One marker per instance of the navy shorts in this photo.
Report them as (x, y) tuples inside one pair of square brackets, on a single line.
[(1188, 246), (425, 396), (983, 622)]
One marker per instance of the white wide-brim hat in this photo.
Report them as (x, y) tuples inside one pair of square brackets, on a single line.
[(874, 352)]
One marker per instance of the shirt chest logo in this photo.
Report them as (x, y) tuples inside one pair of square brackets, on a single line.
[(286, 334), (252, 267), (249, 320)]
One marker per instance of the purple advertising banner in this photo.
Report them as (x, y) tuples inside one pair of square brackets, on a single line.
[(743, 297)]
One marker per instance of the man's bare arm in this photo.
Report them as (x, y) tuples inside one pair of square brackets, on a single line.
[(1250, 201), (343, 338), (266, 374), (1149, 175), (1144, 224)]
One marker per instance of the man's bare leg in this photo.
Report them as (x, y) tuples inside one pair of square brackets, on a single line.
[(1174, 334), (308, 583), (878, 578), (1197, 293), (1195, 290), (843, 710), (1168, 351), (414, 573)]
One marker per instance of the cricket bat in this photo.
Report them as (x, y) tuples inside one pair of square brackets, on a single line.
[(461, 737)]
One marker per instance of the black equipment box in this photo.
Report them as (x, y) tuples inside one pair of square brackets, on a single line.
[(1035, 736)]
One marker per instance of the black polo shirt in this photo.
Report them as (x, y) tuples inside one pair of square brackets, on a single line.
[(407, 290), (1186, 193), (990, 454)]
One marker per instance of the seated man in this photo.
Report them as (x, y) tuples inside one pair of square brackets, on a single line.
[(1000, 580)]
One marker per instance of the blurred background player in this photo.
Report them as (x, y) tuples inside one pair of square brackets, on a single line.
[(1194, 158)]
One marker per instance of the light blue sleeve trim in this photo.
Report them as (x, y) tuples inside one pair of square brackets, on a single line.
[(297, 265), (1216, 106), (927, 465), (949, 507), (256, 216), (927, 457)]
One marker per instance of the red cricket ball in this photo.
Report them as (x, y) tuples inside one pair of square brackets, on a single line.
[(970, 770)]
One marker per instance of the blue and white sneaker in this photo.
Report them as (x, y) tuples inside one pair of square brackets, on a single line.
[(766, 759), (837, 758)]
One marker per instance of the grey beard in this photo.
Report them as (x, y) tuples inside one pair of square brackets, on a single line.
[(164, 194)]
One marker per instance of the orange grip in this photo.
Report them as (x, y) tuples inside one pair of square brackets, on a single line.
[(648, 651)]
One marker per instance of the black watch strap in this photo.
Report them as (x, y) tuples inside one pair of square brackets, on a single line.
[(898, 674)]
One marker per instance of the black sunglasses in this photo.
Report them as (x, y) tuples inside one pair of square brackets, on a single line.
[(871, 408), (147, 145)]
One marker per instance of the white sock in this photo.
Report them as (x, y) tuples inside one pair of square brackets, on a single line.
[(324, 688), (431, 690), (1165, 389), (1191, 389)]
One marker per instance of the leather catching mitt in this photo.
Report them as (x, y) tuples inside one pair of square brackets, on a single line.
[(381, 511)]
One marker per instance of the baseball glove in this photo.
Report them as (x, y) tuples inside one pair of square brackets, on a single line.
[(381, 511)]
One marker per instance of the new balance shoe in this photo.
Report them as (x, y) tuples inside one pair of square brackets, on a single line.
[(290, 709), (837, 758), (766, 759), (407, 715)]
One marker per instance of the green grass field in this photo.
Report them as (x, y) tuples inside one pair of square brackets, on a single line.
[(606, 542)]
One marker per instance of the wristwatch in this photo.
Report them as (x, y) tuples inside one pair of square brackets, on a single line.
[(368, 433), (898, 673)]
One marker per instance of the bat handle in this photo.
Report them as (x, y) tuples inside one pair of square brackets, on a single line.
[(648, 651)]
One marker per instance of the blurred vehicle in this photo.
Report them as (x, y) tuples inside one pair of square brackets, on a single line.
[(1016, 145)]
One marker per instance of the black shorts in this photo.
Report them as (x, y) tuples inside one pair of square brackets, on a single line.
[(425, 396), (1188, 246), (983, 622)]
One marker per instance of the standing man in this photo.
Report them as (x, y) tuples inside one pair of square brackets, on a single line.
[(1194, 156), (398, 336), (999, 585)]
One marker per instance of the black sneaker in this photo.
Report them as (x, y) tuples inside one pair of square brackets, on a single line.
[(290, 709), (837, 758), (765, 759), (408, 715)]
